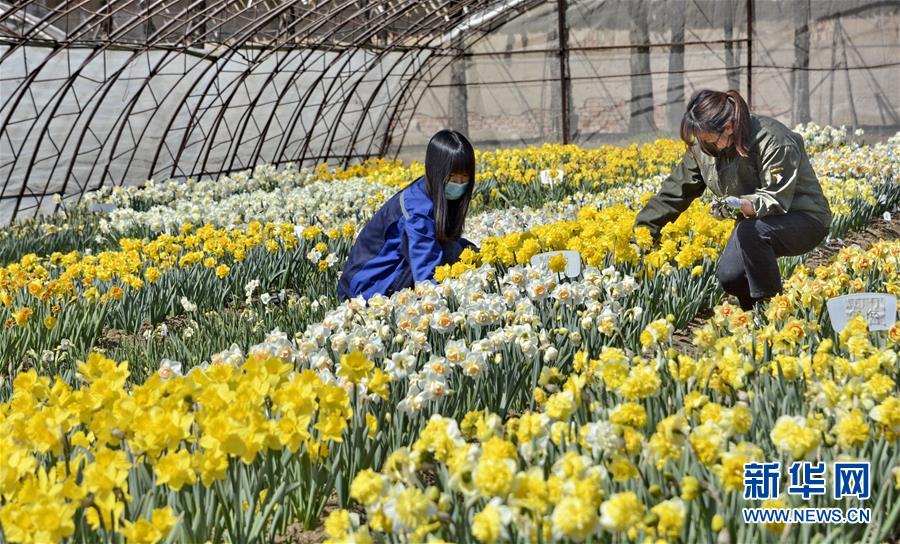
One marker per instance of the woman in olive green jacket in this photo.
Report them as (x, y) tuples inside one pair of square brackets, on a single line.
[(762, 165)]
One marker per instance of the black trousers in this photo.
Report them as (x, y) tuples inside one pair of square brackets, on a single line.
[(748, 267)]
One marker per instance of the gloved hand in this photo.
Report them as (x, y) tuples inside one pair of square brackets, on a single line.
[(728, 207)]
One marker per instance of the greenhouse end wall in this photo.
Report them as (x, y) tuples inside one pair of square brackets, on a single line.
[(513, 85)]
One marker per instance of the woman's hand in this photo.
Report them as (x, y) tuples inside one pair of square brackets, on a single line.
[(747, 208)]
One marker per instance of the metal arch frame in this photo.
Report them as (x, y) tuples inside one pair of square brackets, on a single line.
[(248, 112), (232, 50), (355, 133), (394, 75), (107, 83), (282, 145), (106, 87), (416, 82), (122, 119), (562, 51), (43, 32), (56, 100), (281, 95), (402, 94), (58, 95), (187, 94), (296, 115), (94, 21), (223, 107), (184, 25), (321, 107)]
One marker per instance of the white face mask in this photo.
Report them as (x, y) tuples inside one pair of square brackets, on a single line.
[(454, 191)]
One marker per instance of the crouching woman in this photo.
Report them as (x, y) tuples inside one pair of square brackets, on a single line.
[(419, 228), (762, 163)]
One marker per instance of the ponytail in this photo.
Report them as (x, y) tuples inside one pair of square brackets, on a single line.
[(710, 112)]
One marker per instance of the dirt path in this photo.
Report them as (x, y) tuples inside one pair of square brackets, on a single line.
[(877, 229)]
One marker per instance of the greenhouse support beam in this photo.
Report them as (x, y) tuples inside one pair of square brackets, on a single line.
[(595, 77), (750, 15), (580, 49), (563, 37)]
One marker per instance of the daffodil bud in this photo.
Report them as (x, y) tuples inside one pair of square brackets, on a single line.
[(575, 338), (717, 523), (433, 493), (551, 354)]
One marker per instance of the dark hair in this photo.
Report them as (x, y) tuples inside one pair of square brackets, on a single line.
[(449, 152), (711, 111)]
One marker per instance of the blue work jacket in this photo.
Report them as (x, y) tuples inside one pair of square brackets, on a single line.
[(396, 248)]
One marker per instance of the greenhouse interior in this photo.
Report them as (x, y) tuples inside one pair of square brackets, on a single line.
[(296, 271), (115, 93)]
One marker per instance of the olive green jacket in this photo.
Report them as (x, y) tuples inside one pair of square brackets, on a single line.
[(777, 178)]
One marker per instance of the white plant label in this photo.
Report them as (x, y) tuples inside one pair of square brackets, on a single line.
[(573, 261), (879, 309), (552, 177), (101, 207)]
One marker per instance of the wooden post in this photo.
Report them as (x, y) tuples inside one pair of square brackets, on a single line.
[(750, 15)]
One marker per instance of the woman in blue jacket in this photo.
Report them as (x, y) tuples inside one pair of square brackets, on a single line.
[(419, 228)]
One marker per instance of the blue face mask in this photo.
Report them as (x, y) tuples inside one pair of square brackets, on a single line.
[(455, 191)]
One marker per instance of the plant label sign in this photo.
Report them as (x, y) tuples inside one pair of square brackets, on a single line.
[(879, 309), (101, 207), (573, 261), (551, 177)]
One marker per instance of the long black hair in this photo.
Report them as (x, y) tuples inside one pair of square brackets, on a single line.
[(449, 152), (711, 111)]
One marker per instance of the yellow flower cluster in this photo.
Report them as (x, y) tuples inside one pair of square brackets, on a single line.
[(841, 192), (385, 171), (606, 165), (107, 275), (68, 450), (502, 468), (601, 235)]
